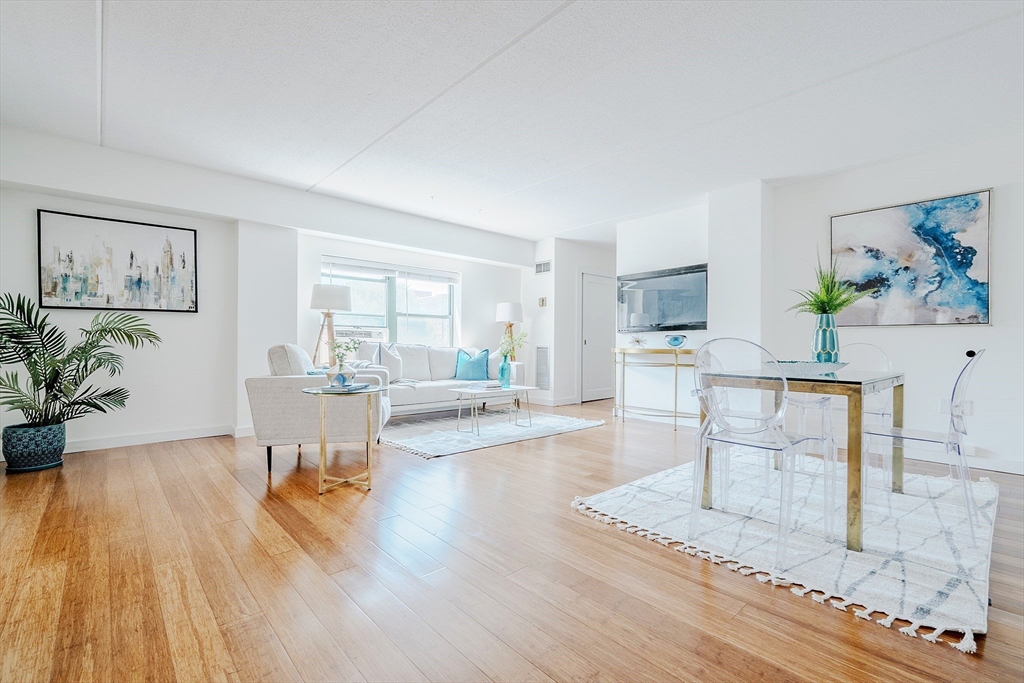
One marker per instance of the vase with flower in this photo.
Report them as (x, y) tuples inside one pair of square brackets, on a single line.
[(341, 373)]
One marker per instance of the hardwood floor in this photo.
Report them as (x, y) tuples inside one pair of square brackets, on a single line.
[(182, 561)]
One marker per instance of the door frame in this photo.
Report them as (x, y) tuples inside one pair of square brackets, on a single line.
[(580, 337)]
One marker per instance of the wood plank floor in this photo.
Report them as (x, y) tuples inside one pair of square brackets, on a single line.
[(183, 561)]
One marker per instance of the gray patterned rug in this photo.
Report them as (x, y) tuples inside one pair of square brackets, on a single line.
[(435, 437), (917, 566)]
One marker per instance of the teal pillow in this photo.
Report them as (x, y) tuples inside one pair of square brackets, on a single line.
[(471, 368)]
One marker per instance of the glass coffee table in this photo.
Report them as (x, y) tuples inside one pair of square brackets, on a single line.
[(367, 393), (478, 395)]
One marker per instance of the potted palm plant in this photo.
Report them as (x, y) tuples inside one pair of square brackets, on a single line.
[(830, 296), (56, 389)]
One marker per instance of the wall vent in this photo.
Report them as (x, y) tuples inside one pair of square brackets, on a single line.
[(543, 371), (542, 267)]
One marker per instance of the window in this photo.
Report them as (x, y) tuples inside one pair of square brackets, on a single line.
[(409, 306)]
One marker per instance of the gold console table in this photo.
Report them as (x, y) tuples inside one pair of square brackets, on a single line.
[(621, 355)]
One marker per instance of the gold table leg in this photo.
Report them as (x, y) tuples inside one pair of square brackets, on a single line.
[(705, 497), (327, 483), (897, 444), (854, 433)]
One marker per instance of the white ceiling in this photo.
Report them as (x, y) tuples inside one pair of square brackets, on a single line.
[(528, 118)]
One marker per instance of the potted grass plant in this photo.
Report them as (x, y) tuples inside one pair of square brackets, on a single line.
[(56, 388), (830, 296)]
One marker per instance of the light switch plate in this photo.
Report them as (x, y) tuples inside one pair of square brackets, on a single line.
[(542, 302)]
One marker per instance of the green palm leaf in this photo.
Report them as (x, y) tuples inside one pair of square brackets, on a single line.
[(831, 295), (56, 373)]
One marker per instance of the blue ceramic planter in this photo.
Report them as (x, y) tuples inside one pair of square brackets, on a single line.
[(28, 448), (825, 348)]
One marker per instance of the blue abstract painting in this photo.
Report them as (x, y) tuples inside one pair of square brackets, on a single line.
[(926, 263)]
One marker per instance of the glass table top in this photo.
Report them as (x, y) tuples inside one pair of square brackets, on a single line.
[(342, 391), (843, 376)]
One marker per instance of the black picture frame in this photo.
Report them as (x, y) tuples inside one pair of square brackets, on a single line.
[(136, 309)]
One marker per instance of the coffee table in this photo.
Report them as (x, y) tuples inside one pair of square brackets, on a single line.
[(480, 395)]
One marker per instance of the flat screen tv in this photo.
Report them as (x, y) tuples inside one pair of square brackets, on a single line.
[(664, 300)]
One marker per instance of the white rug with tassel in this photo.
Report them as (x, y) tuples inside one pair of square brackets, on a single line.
[(918, 564), (438, 436)]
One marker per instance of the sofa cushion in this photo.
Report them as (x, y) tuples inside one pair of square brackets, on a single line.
[(438, 391), (443, 361), (389, 358), (369, 351), (493, 363), (471, 368), (415, 363), (288, 359)]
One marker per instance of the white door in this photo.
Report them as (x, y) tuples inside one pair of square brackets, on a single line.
[(598, 337)]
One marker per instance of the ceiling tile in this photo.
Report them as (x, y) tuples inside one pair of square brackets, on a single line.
[(48, 68)]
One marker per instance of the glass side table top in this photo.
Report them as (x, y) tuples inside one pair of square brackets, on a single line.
[(342, 391)]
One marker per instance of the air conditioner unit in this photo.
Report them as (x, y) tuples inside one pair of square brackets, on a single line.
[(373, 335)]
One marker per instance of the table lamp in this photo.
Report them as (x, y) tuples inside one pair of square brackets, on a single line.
[(509, 313), (329, 298)]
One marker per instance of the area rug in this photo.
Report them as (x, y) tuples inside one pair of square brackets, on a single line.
[(918, 564), (435, 437)]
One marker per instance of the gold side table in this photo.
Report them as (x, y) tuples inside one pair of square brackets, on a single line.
[(371, 394)]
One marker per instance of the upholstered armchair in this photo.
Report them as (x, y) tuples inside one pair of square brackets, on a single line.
[(283, 415)]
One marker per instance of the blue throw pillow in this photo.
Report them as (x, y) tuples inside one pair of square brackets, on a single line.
[(471, 368), (316, 372)]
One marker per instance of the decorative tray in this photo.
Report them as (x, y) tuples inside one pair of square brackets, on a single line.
[(347, 389), (810, 367)]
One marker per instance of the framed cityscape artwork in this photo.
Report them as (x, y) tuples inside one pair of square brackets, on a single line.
[(105, 263), (927, 262)]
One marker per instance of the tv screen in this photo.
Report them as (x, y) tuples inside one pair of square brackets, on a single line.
[(664, 300)]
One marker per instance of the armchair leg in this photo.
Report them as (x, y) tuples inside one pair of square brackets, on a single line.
[(270, 456)]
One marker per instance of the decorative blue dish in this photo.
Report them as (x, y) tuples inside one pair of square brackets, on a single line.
[(675, 340)]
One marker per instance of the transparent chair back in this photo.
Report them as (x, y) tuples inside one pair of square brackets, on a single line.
[(742, 410), (957, 424)]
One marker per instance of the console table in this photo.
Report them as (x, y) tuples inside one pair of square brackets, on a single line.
[(666, 358)]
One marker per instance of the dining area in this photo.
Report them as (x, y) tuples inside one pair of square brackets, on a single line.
[(771, 492)]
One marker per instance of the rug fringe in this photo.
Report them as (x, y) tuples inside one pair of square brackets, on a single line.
[(967, 644)]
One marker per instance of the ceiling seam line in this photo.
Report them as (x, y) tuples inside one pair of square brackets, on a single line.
[(451, 86), (99, 72), (751, 108)]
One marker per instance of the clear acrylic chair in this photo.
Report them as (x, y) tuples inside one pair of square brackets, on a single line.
[(951, 440), (877, 407), (741, 416)]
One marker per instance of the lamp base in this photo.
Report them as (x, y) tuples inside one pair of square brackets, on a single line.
[(328, 324)]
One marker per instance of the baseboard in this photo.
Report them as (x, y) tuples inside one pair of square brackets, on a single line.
[(241, 432), (151, 437)]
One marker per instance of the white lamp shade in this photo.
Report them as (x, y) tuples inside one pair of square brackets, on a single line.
[(509, 312), (331, 298)]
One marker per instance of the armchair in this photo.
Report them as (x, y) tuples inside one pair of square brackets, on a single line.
[(283, 415)]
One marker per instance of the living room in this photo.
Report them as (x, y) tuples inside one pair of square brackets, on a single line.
[(428, 362)]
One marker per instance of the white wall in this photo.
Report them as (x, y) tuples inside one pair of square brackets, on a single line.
[(483, 286), (182, 389), (538, 321), (930, 356), (572, 260), (667, 240), (32, 160), (739, 261), (267, 304)]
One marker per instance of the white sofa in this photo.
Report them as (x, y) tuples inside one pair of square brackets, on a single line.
[(421, 377), (283, 415)]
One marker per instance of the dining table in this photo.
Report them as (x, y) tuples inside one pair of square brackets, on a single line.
[(854, 385)]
